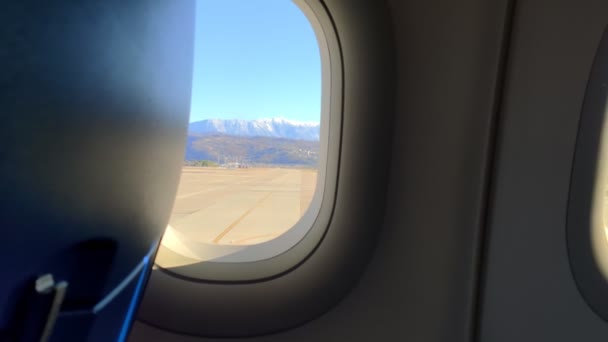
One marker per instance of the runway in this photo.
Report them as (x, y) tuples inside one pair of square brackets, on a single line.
[(240, 206)]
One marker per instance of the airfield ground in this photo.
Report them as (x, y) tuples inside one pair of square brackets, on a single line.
[(240, 206)]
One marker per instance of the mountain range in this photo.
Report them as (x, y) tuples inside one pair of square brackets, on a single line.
[(275, 141), (275, 127)]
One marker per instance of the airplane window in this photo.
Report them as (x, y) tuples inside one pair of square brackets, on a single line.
[(600, 203), (587, 229), (253, 159), (596, 107)]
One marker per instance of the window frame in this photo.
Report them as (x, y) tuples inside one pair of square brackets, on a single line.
[(318, 280), (228, 263)]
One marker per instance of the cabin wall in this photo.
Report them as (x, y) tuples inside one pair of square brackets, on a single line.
[(529, 290), (420, 283)]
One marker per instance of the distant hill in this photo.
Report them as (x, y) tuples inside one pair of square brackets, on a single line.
[(223, 148), (276, 128)]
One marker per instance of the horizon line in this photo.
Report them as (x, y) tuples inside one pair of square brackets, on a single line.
[(260, 119)]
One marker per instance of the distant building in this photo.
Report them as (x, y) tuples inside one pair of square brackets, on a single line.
[(236, 165)]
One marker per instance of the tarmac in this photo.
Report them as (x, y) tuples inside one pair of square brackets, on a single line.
[(240, 206)]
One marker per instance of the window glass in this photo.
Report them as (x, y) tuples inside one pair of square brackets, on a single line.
[(252, 155), (600, 204)]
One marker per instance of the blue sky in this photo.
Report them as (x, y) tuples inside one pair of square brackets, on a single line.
[(255, 59)]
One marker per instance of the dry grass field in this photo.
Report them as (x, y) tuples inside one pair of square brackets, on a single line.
[(240, 206)]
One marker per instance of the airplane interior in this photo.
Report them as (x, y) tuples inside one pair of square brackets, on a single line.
[(460, 194)]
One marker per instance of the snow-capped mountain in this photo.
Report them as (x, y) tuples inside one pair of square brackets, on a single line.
[(275, 127)]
